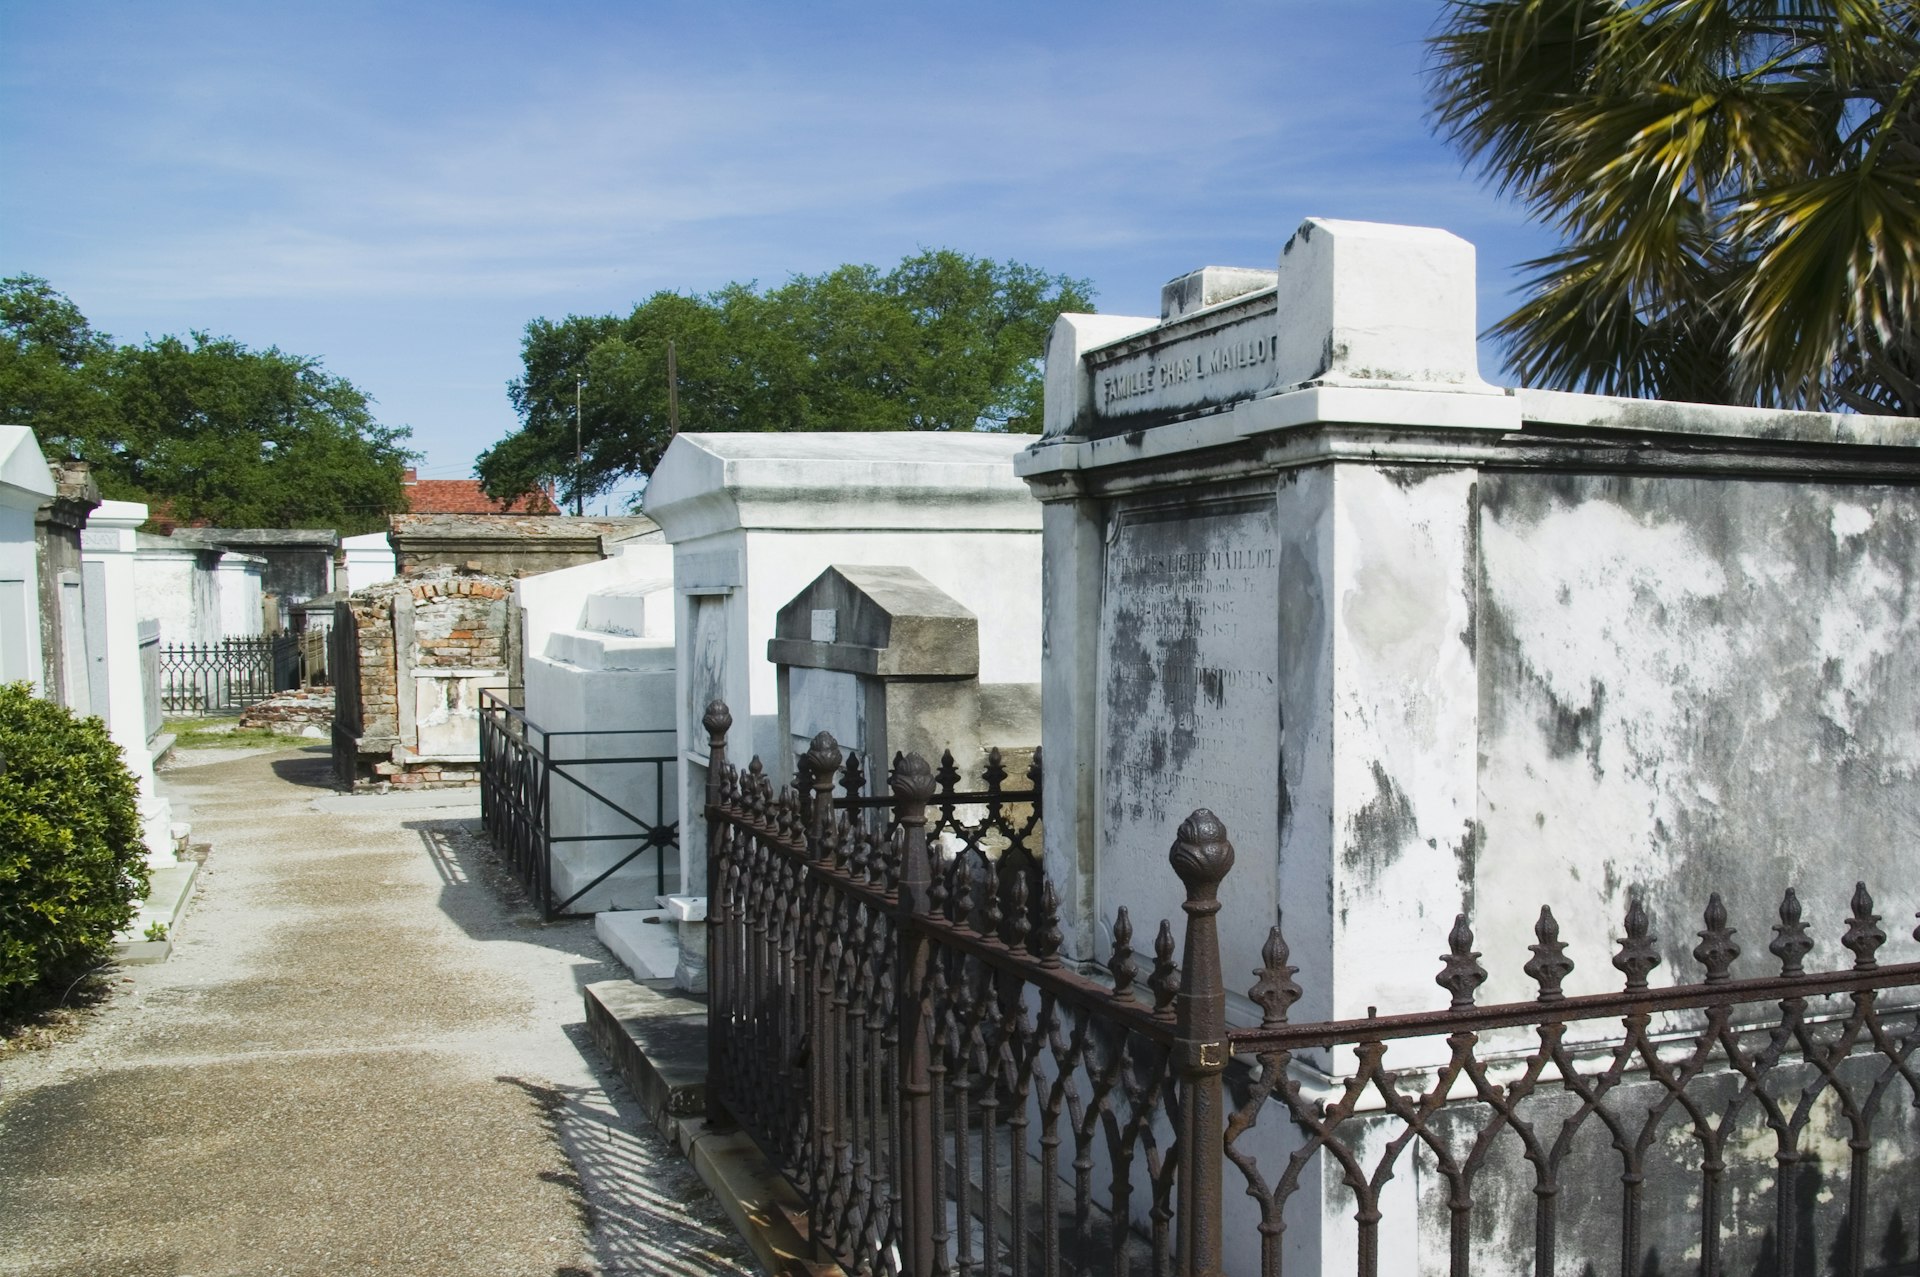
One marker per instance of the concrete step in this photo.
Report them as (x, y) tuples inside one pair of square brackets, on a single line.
[(169, 887), (644, 939), (657, 1039), (598, 650), (642, 608)]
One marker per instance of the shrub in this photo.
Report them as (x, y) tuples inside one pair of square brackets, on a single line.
[(71, 863)]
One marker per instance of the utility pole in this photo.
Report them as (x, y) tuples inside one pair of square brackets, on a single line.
[(578, 382), (673, 391)]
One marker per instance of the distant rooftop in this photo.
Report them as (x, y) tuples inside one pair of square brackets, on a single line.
[(325, 538), (550, 527), (465, 496)]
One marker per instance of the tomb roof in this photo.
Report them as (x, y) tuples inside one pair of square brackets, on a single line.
[(25, 481), (870, 480)]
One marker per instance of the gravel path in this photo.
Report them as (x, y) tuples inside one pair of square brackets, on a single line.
[(366, 1055)]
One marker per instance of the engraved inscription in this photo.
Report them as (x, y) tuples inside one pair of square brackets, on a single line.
[(1237, 357), (1190, 685), (1165, 373)]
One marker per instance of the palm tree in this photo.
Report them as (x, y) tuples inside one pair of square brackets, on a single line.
[(1736, 182)]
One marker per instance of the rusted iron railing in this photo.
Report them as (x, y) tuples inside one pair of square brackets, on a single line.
[(900, 1032)]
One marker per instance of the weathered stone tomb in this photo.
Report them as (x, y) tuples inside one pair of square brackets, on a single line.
[(1432, 647)]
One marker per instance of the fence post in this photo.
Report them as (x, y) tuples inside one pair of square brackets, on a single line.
[(818, 767), (717, 720), (1201, 855), (912, 784), (543, 766)]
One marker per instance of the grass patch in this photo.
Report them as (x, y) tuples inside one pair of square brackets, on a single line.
[(226, 733)]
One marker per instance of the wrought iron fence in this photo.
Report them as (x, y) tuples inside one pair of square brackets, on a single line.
[(520, 761), (904, 1039), (228, 676)]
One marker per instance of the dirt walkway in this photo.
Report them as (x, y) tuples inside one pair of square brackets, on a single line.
[(365, 1056)]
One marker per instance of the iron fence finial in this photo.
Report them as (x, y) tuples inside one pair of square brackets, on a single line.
[(1637, 955), (1864, 936), (1202, 855), (1274, 988), (1165, 980), (823, 755), (1550, 965), (1019, 923), (1121, 965), (1790, 943), (1716, 950), (1460, 969), (1047, 938)]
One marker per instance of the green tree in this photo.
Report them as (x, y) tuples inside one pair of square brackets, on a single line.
[(1736, 182), (941, 342), (243, 438), (51, 361)]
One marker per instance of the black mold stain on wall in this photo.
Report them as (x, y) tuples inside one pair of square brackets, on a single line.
[(1573, 730), (1303, 613), (1379, 829)]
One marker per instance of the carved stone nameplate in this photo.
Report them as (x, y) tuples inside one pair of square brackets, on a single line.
[(1190, 694), (1229, 353)]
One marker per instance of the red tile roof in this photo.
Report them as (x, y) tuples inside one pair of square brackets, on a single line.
[(464, 496)]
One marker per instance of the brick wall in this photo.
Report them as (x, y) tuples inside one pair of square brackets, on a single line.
[(459, 624), (449, 619), (379, 682)]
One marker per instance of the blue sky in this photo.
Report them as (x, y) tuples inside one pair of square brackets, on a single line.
[(397, 189)]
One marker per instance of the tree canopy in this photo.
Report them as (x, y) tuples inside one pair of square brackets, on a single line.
[(1737, 183), (940, 342), (243, 438)]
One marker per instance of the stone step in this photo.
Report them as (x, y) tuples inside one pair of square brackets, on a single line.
[(644, 939), (657, 1041), (168, 889), (599, 650), (643, 609)]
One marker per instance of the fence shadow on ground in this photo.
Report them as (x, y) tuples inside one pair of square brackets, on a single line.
[(642, 1203), (487, 902)]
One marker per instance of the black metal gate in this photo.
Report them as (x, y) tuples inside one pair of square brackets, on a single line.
[(520, 762), (895, 1025)]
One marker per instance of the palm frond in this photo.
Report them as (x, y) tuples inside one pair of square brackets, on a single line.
[(1839, 254)]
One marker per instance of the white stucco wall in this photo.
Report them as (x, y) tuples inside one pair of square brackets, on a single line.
[(1429, 648), (178, 588), (109, 552), (369, 560), (25, 486), (753, 519), (599, 659), (240, 591)]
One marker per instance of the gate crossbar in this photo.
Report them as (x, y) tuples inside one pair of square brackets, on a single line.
[(517, 769)]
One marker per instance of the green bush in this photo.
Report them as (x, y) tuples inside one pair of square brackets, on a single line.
[(71, 864)]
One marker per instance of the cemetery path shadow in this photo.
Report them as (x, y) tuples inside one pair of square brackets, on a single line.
[(312, 768), (488, 902), (366, 1054)]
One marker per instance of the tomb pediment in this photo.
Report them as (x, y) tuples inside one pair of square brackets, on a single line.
[(877, 620)]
